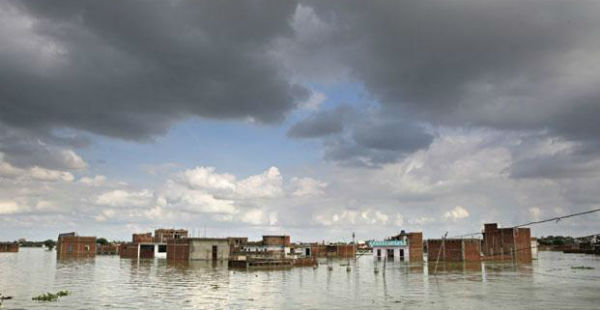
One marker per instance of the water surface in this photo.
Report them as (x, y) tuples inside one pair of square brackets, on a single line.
[(111, 282)]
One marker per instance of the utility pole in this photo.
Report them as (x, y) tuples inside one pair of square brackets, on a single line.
[(440, 251)]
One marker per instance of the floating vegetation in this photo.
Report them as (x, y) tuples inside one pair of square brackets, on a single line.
[(50, 297), (3, 298), (582, 267)]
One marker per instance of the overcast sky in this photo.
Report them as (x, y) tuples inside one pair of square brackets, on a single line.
[(314, 119)]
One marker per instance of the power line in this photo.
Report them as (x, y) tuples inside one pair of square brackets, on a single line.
[(554, 219), (557, 219)]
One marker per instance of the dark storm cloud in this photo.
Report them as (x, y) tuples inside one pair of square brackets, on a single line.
[(362, 138), (347, 152), (392, 135), (501, 64), (322, 123), (27, 148), (131, 71), (508, 65), (555, 167), (377, 141)]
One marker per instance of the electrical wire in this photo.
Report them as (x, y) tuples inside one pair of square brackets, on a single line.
[(554, 219)]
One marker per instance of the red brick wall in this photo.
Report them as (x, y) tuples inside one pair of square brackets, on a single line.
[(472, 249), (163, 235), (12, 247), (455, 250), (178, 249), (76, 246), (415, 246), (523, 245), (507, 243), (108, 249), (332, 250), (450, 252), (146, 250), (128, 250), (346, 250), (318, 250), (276, 240), (139, 238)]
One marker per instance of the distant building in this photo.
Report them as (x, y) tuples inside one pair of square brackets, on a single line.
[(415, 244), (302, 250), (454, 250), (270, 244), (236, 243), (142, 238), (341, 250), (163, 235), (591, 242), (391, 249), (186, 249), (143, 250), (506, 243), (9, 247), (107, 249), (402, 247), (143, 246), (73, 245), (276, 241)]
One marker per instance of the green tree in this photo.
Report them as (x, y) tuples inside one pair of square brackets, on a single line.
[(50, 244), (102, 241)]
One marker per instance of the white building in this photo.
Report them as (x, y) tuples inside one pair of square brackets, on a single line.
[(391, 249), (259, 248)]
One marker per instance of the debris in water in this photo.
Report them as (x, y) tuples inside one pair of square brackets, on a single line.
[(50, 297), (582, 267)]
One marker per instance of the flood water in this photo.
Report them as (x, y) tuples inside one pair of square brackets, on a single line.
[(111, 282)]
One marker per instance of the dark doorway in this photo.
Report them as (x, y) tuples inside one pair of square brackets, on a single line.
[(214, 252), (146, 251), (390, 253), (401, 254), (307, 253), (378, 252)]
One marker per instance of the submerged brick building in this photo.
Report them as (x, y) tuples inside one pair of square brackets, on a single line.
[(163, 235), (454, 250), (9, 247), (270, 244), (144, 245), (186, 249), (142, 238), (415, 244), (108, 249), (506, 243), (236, 243), (341, 250), (403, 246), (73, 245)]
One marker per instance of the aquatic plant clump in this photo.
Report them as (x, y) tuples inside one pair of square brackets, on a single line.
[(582, 267), (50, 297)]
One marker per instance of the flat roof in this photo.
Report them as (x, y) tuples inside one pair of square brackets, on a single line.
[(205, 239)]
